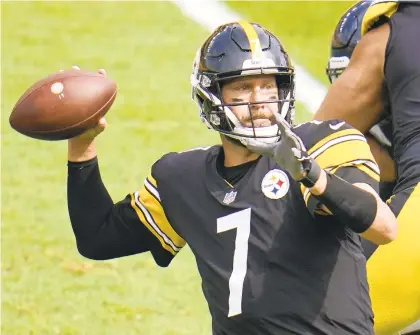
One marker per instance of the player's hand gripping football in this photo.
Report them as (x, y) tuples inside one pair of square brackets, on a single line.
[(289, 153), (82, 147)]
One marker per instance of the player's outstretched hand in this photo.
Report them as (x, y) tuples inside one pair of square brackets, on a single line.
[(289, 153)]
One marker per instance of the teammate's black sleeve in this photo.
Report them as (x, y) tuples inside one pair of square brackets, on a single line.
[(104, 230)]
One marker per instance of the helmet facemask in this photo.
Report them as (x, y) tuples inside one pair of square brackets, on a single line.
[(218, 114), (240, 50)]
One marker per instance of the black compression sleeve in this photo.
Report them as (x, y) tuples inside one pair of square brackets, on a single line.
[(88, 200), (353, 206), (99, 226)]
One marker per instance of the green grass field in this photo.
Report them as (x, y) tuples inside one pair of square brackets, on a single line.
[(147, 47)]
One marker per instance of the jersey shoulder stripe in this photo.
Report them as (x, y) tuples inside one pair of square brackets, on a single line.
[(314, 133), (147, 204), (334, 143), (166, 178), (335, 146)]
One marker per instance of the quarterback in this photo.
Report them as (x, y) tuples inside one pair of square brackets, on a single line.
[(375, 73), (273, 215)]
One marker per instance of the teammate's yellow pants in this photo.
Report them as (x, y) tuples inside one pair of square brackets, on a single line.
[(394, 269)]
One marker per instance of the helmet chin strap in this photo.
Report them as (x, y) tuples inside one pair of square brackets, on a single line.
[(264, 134), (243, 134)]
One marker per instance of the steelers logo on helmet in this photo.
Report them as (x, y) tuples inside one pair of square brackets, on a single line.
[(275, 184), (237, 50)]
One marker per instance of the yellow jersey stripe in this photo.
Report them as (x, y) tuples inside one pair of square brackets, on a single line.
[(375, 11), (143, 220), (369, 172), (306, 194), (323, 211), (152, 180), (152, 189), (362, 167), (343, 153), (342, 148), (335, 142), (333, 136), (157, 213), (254, 41), (366, 166)]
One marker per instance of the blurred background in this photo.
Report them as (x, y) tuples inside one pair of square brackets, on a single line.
[(148, 48)]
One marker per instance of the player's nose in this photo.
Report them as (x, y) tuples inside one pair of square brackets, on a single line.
[(256, 96), (257, 107)]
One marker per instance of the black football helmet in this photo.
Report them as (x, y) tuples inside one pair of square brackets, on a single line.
[(346, 35), (235, 50)]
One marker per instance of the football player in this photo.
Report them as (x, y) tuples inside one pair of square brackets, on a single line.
[(377, 43), (346, 35), (273, 215)]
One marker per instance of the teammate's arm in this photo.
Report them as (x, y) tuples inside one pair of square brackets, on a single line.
[(383, 158), (355, 96)]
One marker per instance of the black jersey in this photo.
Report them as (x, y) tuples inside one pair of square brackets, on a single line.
[(270, 259), (402, 79)]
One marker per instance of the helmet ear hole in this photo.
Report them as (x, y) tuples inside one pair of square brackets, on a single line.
[(207, 106), (200, 100), (285, 85), (284, 81), (216, 90), (290, 116)]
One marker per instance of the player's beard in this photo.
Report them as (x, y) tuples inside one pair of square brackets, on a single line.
[(250, 121), (246, 121)]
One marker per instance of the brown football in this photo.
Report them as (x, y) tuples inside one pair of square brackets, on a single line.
[(63, 105)]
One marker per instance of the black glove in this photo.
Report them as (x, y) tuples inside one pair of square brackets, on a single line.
[(289, 153)]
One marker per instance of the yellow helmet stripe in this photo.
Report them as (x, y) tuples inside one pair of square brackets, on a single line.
[(375, 11), (254, 41)]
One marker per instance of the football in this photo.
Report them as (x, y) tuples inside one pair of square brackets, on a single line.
[(63, 105)]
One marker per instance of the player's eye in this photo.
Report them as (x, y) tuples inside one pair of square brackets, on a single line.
[(242, 87), (271, 87)]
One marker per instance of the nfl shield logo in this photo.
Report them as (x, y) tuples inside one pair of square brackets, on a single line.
[(229, 197)]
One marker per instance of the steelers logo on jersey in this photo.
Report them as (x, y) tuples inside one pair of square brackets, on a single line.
[(275, 184)]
